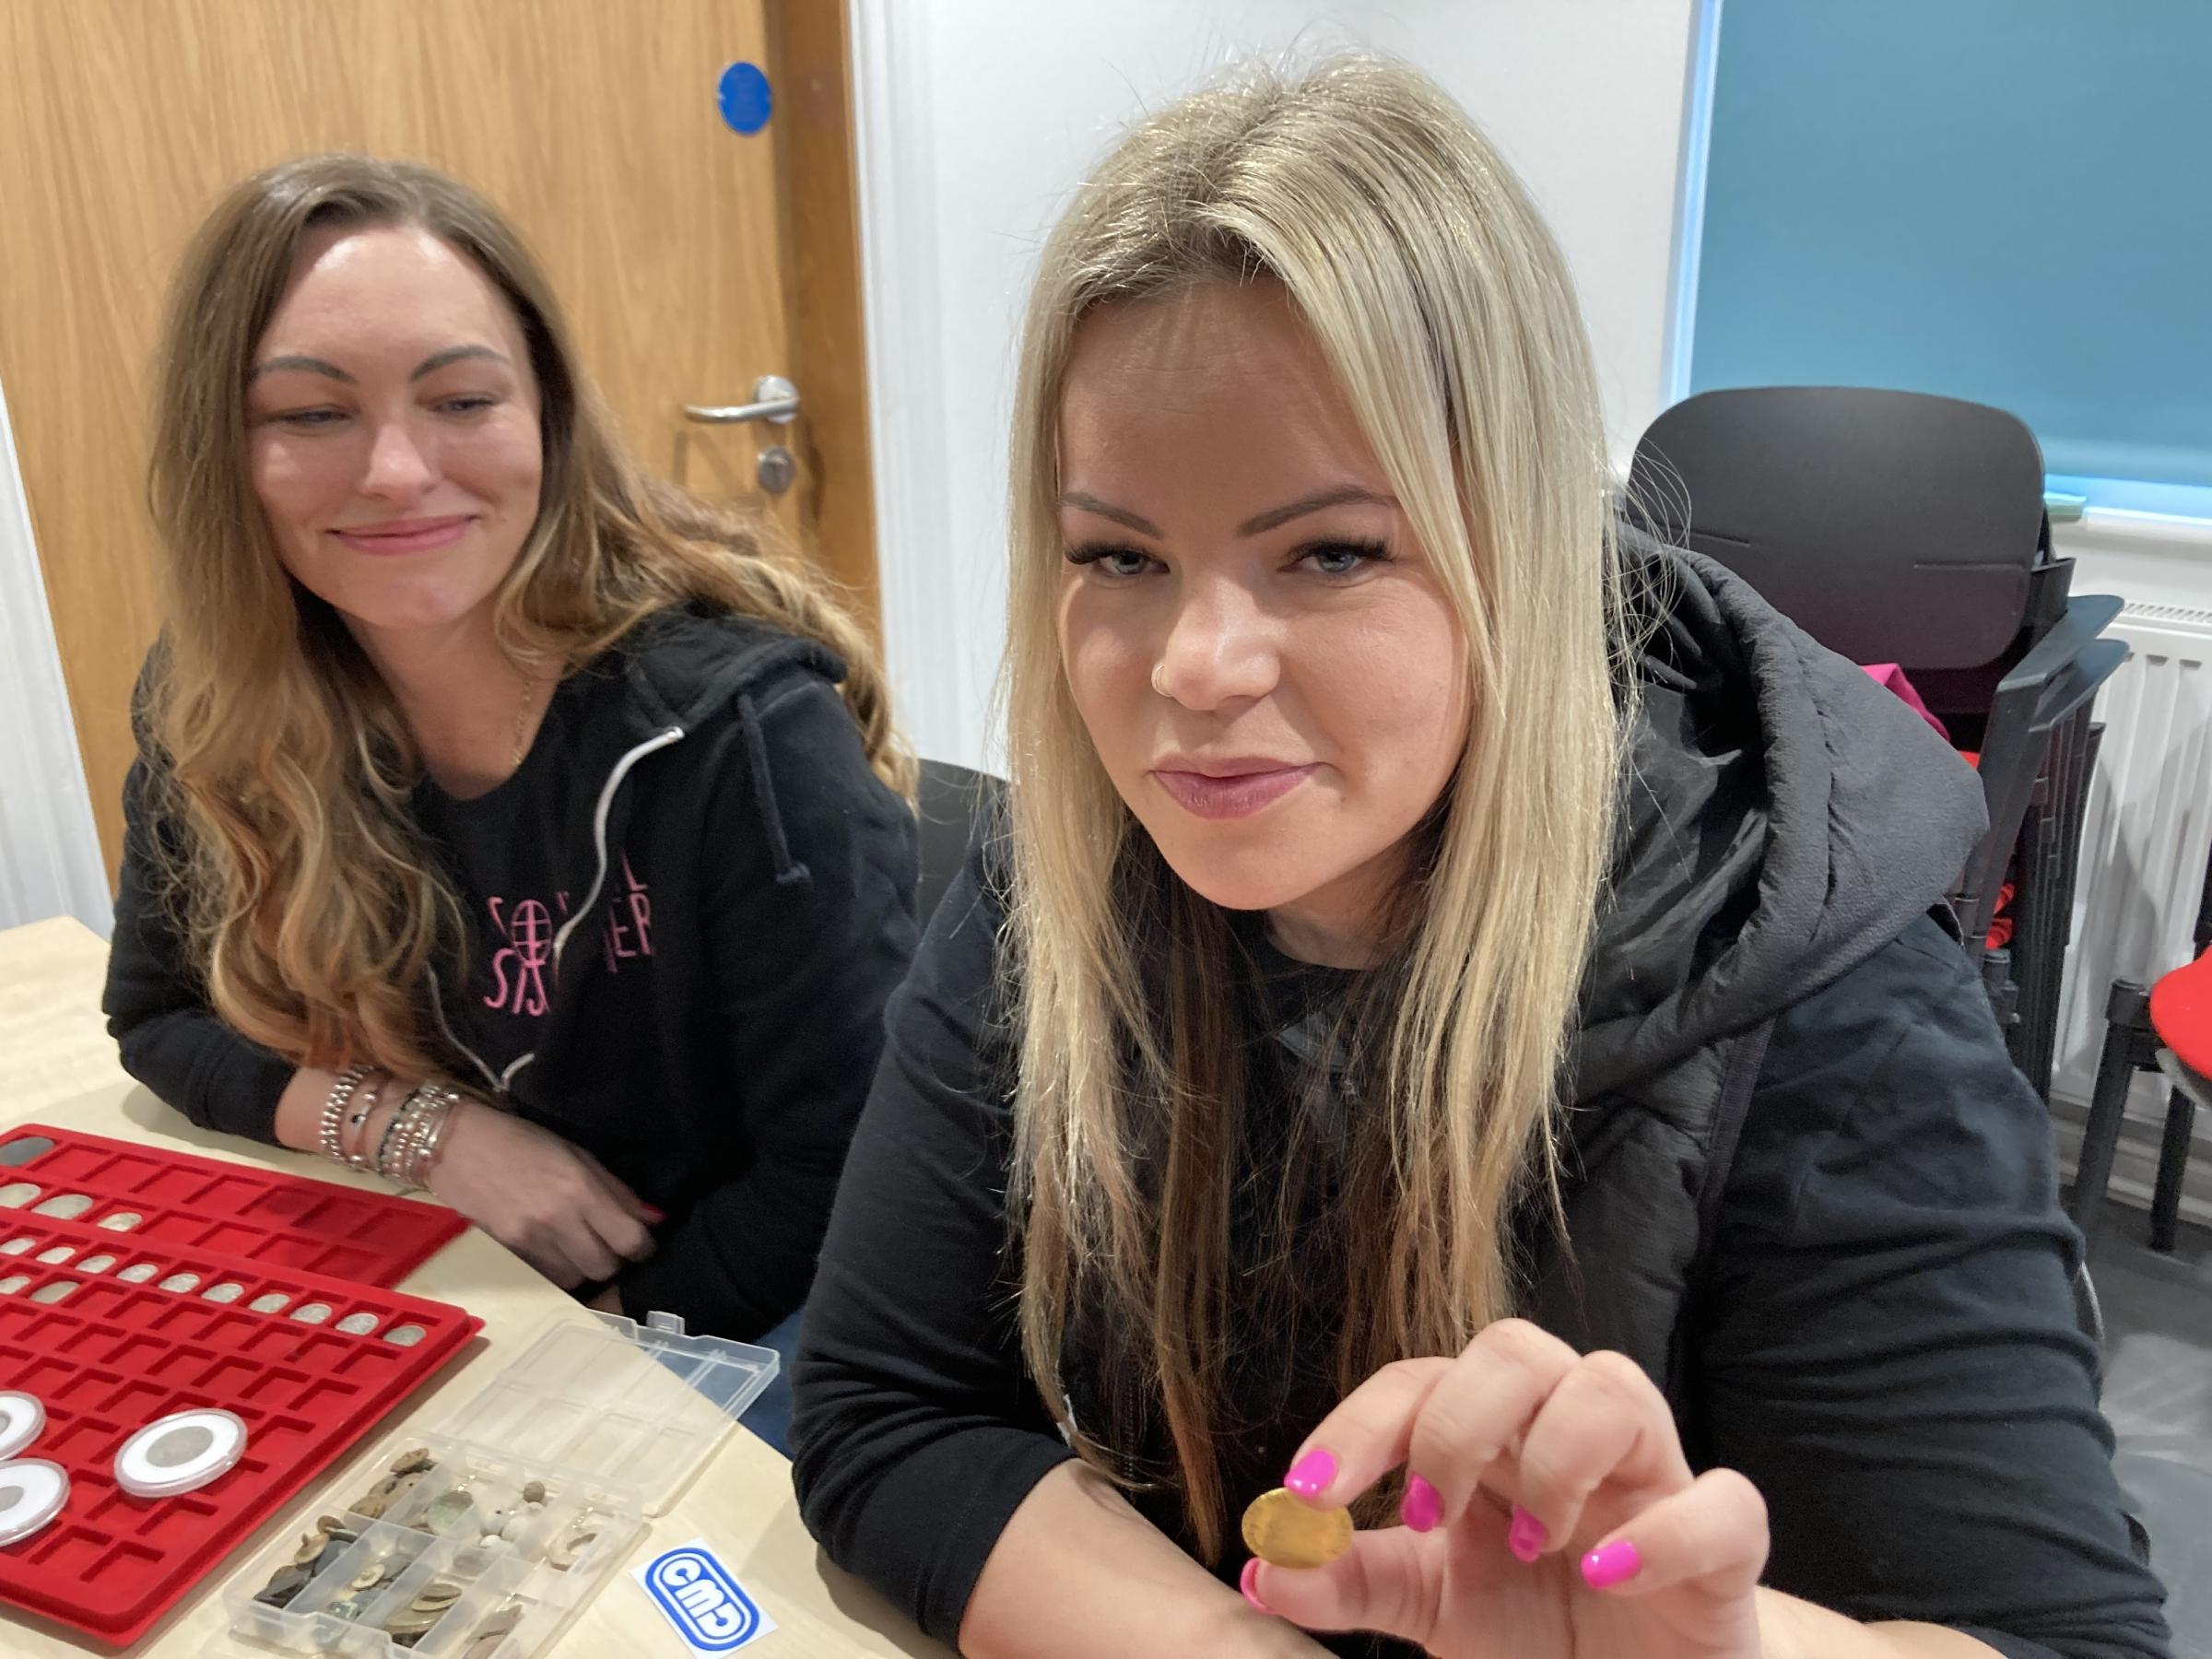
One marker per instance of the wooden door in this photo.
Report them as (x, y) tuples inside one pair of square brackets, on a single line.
[(593, 125)]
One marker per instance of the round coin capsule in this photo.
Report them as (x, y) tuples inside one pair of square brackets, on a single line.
[(31, 1494), (21, 1418), (180, 1453)]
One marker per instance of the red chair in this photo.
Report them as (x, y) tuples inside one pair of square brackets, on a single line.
[(2167, 1028)]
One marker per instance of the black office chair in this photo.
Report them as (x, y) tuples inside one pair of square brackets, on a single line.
[(2134, 1042), (1896, 527), (949, 801)]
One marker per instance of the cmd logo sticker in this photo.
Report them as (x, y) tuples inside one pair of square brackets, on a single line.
[(708, 1606)]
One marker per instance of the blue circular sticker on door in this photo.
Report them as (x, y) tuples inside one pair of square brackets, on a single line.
[(744, 98)]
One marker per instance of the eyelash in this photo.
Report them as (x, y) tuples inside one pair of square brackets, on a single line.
[(311, 420), (1366, 552)]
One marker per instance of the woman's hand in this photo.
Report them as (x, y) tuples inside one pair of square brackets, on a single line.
[(548, 1201), (1548, 1513)]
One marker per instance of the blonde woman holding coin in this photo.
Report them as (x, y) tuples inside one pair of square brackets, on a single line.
[(1457, 1031)]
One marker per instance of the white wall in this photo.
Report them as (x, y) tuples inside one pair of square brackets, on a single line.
[(977, 119), (49, 862)]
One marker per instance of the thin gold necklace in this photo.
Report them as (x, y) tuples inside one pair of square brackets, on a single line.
[(522, 719)]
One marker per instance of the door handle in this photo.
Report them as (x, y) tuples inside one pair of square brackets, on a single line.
[(775, 400)]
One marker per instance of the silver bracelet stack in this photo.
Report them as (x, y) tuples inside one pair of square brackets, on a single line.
[(411, 1138), (334, 1111)]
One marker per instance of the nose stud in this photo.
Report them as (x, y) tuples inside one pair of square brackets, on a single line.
[(1155, 685)]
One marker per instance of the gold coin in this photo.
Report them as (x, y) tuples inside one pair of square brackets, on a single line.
[(1289, 1532)]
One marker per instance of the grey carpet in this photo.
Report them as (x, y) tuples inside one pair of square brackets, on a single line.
[(2157, 1393)]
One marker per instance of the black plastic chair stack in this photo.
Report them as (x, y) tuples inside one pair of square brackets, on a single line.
[(1896, 527), (2132, 1045)]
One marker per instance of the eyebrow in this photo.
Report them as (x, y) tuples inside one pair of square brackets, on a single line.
[(1259, 523), (1120, 515), (313, 365), (455, 354), (1342, 495), (430, 365)]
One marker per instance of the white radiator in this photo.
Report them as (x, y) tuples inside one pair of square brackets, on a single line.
[(2145, 841)]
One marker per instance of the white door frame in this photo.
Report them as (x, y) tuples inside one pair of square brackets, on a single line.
[(50, 858)]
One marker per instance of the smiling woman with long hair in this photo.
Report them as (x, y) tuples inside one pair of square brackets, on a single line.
[(1458, 1022), (505, 820)]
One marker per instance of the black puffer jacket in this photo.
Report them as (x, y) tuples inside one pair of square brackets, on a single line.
[(1808, 1192)]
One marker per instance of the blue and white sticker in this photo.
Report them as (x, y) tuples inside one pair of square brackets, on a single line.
[(704, 1599), (745, 98)]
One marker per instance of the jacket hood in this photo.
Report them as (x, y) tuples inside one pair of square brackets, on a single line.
[(1784, 818), (682, 666)]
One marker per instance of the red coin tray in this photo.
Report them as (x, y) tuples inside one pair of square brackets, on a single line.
[(236, 1288), (236, 1210), (117, 1353)]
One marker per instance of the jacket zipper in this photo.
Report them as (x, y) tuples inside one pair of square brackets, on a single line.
[(659, 740), (500, 1080)]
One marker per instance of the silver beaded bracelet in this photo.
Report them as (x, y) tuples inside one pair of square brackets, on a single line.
[(411, 1140), (369, 1094), (381, 1160), (334, 1111), (426, 1152)]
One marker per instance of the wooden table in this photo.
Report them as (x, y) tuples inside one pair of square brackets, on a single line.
[(58, 1064)]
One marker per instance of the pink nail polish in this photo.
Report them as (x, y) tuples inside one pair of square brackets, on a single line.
[(1615, 1564), (1422, 1507), (1310, 1474), (1527, 1536), (1247, 1582), (654, 1212)]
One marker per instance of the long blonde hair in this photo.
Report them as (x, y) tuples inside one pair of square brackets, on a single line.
[(310, 905), (1446, 311)]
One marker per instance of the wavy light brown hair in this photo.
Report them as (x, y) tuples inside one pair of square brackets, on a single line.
[(1446, 311), (284, 766)]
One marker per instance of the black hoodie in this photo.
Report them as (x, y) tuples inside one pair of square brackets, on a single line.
[(1807, 1190), (705, 782)]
